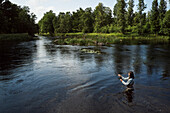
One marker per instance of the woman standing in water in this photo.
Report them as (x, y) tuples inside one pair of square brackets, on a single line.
[(129, 83), (129, 80)]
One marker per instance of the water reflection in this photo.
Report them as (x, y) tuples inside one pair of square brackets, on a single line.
[(137, 64), (15, 55), (118, 58), (129, 95)]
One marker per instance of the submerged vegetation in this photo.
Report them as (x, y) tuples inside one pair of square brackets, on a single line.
[(91, 51)]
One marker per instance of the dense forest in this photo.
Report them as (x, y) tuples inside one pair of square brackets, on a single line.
[(100, 20), (16, 19)]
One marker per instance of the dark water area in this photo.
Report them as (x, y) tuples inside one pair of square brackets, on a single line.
[(41, 77)]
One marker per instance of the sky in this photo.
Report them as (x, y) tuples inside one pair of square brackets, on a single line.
[(39, 7)]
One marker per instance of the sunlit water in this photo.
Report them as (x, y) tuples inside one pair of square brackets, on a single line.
[(40, 77)]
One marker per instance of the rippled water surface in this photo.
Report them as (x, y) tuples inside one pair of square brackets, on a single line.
[(40, 77)]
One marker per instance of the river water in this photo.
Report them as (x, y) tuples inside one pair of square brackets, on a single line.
[(41, 77)]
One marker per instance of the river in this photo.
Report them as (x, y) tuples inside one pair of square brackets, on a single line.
[(41, 77)]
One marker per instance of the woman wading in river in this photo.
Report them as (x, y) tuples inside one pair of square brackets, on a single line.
[(129, 83), (129, 80)]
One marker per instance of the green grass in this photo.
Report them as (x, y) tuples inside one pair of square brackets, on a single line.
[(109, 38), (16, 37)]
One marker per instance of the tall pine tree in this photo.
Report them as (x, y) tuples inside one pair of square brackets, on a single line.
[(141, 8), (130, 12), (121, 15), (155, 17), (162, 11)]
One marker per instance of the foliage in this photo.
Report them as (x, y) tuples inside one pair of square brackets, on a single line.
[(166, 23), (130, 12), (46, 23), (155, 17), (16, 19), (162, 11), (77, 21), (100, 19), (141, 7), (87, 19), (121, 15)]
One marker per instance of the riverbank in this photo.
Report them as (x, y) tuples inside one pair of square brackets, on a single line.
[(102, 39), (16, 37)]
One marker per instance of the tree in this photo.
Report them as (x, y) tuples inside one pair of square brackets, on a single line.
[(77, 22), (46, 23), (55, 24), (135, 19), (61, 23), (68, 22), (141, 8), (162, 11), (147, 27), (166, 23), (14, 19), (121, 15), (102, 17), (155, 17), (1, 1), (87, 19), (115, 9), (98, 12), (2, 18), (26, 22), (130, 12)]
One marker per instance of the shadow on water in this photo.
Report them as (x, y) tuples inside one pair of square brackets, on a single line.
[(14, 55), (41, 77)]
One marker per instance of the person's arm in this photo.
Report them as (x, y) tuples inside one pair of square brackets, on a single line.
[(124, 78), (126, 83)]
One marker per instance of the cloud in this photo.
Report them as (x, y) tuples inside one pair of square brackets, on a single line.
[(36, 2), (39, 7), (40, 10)]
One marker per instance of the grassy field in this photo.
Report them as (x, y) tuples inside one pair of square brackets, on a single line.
[(108, 38), (16, 37)]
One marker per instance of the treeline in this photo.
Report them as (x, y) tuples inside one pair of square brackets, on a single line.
[(16, 19), (156, 21)]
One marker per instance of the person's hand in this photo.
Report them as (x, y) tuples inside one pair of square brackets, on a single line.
[(121, 80), (119, 75)]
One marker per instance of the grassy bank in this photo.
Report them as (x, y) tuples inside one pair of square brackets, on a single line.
[(108, 38), (16, 37)]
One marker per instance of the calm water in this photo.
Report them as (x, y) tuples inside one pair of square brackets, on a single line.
[(40, 77)]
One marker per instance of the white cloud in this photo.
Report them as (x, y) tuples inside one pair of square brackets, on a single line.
[(39, 7), (40, 10), (36, 2)]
